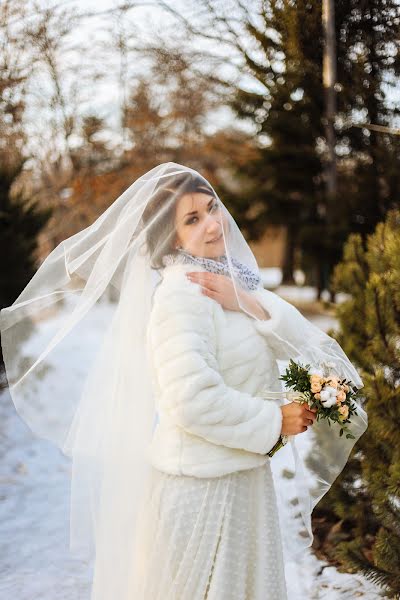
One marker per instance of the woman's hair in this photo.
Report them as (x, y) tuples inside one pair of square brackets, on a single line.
[(159, 216)]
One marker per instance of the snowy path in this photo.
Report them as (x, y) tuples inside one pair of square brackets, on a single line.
[(34, 511), (34, 493)]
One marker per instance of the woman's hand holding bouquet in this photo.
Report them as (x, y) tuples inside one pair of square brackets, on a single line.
[(320, 394), (297, 417)]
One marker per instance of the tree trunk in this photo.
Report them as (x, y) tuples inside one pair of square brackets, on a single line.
[(288, 261), (320, 279)]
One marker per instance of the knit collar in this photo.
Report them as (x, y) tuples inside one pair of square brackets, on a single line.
[(247, 277)]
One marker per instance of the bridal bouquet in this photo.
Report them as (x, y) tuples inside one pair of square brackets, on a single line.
[(322, 389)]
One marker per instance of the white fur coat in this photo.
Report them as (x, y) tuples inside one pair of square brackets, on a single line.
[(209, 368)]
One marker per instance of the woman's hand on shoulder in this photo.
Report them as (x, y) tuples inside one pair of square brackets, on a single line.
[(221, 288)]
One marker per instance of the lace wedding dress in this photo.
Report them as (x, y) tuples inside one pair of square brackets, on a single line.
[(211, 538)]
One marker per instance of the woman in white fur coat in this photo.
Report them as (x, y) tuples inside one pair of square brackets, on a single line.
[(213, 512), (186, 510)]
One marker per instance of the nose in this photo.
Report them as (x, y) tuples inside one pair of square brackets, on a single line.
[(213, 224)]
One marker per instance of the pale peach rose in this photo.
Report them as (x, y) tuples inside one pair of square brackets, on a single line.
[(317, 396), (344, 411), (316, 385), (346, 388), (333, 381), (341, 397)]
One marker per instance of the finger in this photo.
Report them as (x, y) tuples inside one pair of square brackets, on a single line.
[(202, 274), (308, 421), (311, 416), (206, 276), (211, 294), (307, 409), (202, 281)]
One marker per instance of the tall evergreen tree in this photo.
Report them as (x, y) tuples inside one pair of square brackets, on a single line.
[(357, 524), (21, 218), (287, 110), (287, 175)]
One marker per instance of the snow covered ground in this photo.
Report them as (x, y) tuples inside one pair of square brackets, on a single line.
[(34, 510)]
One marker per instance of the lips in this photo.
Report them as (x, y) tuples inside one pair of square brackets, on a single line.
[(215, 239)]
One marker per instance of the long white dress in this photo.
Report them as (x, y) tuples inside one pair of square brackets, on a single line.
[(209, 529), (213, 538)]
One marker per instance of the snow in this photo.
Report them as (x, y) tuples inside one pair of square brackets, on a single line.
[(34, 521), (34, 488), (271, 278)]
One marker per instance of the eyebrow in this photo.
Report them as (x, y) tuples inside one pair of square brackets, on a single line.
[(195, 211)]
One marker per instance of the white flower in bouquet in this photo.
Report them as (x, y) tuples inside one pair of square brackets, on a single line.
[(328, 396)]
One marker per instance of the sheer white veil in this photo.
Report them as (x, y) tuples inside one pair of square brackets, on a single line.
[(102, 417)]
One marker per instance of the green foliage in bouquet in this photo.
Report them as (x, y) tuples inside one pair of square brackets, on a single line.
[(297, 378)]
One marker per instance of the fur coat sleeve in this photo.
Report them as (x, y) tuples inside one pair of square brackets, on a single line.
[(286, 331)]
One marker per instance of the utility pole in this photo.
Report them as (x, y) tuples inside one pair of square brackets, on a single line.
[(329, 81)]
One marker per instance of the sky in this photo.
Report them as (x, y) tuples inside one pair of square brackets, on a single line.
[(97, 88), (102, 95)]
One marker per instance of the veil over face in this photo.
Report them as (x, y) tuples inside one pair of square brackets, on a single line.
[(74, 346)]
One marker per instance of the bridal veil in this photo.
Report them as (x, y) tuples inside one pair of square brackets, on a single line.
[(102, 414)]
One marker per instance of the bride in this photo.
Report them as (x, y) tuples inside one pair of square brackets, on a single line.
[(172, 491)]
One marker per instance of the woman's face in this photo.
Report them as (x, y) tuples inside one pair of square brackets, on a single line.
[(198, 225)]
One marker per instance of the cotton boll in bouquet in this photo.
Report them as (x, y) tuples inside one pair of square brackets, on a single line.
[(321, 388)]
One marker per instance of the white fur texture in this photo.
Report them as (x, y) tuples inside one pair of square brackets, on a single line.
[(209, 367)]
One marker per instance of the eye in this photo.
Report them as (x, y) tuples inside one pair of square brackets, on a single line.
[(214, 206)]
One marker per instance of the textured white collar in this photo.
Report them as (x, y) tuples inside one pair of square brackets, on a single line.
[(248, 278)]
